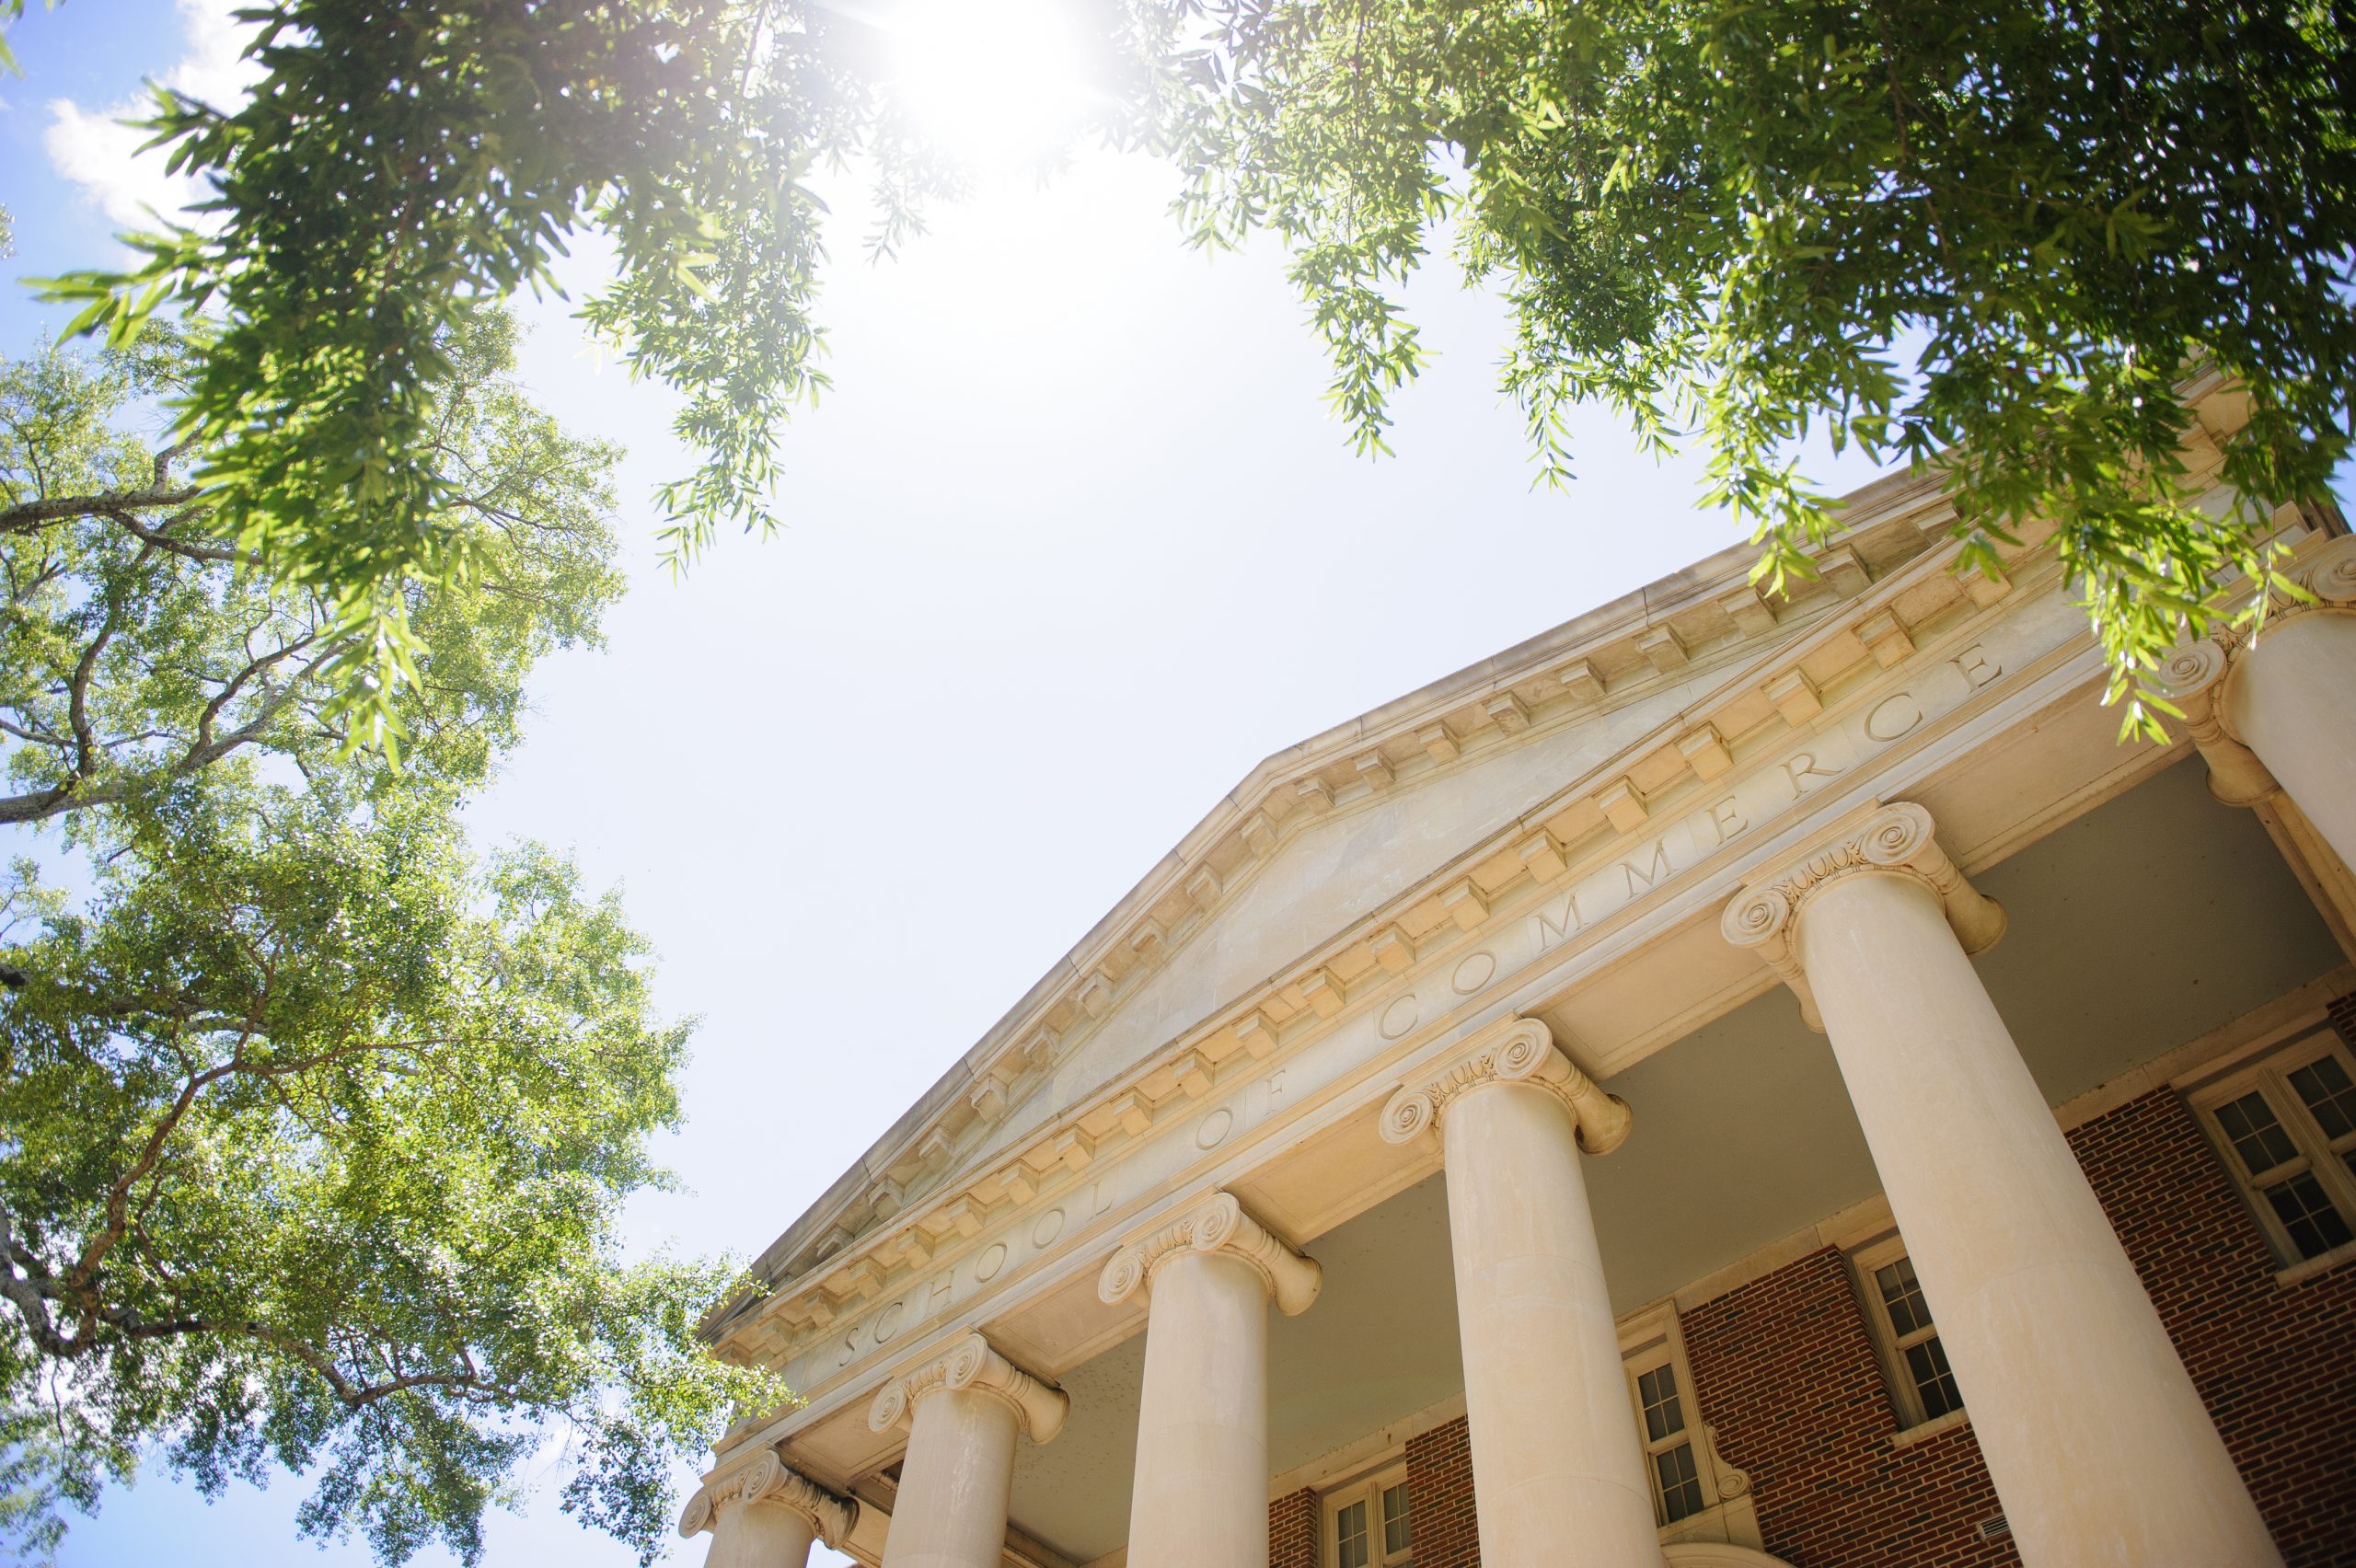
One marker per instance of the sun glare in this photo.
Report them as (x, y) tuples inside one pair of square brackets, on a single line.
[(991, 82)]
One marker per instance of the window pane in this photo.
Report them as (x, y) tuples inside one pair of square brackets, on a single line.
[(1664, 1414), (1680, 1488), (1903, 1297), (2324, 1086), (1349, 1536), (2256, 1136), (1394, 1520), (2314, 1225), (1927, 1363)]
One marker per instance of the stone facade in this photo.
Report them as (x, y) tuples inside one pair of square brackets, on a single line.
[(1277, 1227)]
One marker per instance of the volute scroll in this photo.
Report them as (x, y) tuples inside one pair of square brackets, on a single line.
[(770, 1480), (1513, 1050)]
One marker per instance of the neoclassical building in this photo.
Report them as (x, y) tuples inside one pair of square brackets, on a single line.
[(1732, 1080)]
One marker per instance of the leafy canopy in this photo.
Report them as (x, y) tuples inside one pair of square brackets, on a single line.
[(124, 580), (317, 1123), (1990, 238), (401, 161)]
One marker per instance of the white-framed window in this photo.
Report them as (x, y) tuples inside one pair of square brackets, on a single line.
[(1691, 1490), (1905, 1333), (1665, 1422), (1366, 1521), (2285, 1126)]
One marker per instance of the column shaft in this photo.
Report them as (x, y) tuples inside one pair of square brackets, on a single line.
[(1558, 1479), (1201, 1497), (2098, 1444), (759, 1534), (2293, 701), (954, 1481)]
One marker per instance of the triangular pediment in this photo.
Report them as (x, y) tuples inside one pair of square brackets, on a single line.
[(1334, 858)]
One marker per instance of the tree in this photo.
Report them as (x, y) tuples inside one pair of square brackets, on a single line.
[(1988, 237), (402, 161), (316, 1123), (123, 572)]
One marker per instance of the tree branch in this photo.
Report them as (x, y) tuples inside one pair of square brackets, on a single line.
[(30, 516)]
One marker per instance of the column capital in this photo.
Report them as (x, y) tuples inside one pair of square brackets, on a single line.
[(2196, 676), (2329, 574), (768, 1479), (1899, 839), (971, 1363), (2193, 676), (1216, 1223), (1511, 1051)]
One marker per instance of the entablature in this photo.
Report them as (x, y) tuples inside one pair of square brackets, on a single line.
[(1973, 673), (1769, 673)]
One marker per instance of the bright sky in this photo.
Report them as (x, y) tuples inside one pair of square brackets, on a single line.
[(1075, 546)]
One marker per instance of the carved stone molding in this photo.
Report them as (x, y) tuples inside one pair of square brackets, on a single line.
[(768, 1479), (971, 1363), (1893, 840), (956, 1185), (1216, 1224), (1513, 1050)]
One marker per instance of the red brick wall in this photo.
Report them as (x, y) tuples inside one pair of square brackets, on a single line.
[(2276, 1364), (1784, 1369), (1439, 1498), (1786, 1374), (1292, 1530)]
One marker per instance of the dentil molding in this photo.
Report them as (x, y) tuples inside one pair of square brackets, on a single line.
[(1877, 840), (971, 1363), (1215, 1224), (769, 1479), (1511, 1051), (1574, 830)]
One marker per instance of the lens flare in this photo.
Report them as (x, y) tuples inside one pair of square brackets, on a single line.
[(990, 82)]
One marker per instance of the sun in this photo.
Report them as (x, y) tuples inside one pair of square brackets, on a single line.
[(990, 82)]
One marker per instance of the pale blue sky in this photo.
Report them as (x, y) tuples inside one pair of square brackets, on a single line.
[(1074, 546)]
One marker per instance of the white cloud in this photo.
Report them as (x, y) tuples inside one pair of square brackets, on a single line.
[(95, 150)]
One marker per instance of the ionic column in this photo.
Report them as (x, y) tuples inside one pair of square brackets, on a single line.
[(1557, 1475), (1201, 1498), (766, 1516), (2279, 711), (2099, 1447), (963, 1411)]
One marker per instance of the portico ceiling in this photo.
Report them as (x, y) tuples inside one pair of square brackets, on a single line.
[(2144, 924)]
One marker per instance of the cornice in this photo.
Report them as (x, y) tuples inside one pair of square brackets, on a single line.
[(1216, 1224), (1592, 664), (1511, 1051), (970, 1362), (1877, 840), (1770, 684), (1802, 676), (1785, 690), (1013, 1277), (768, 1478)]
